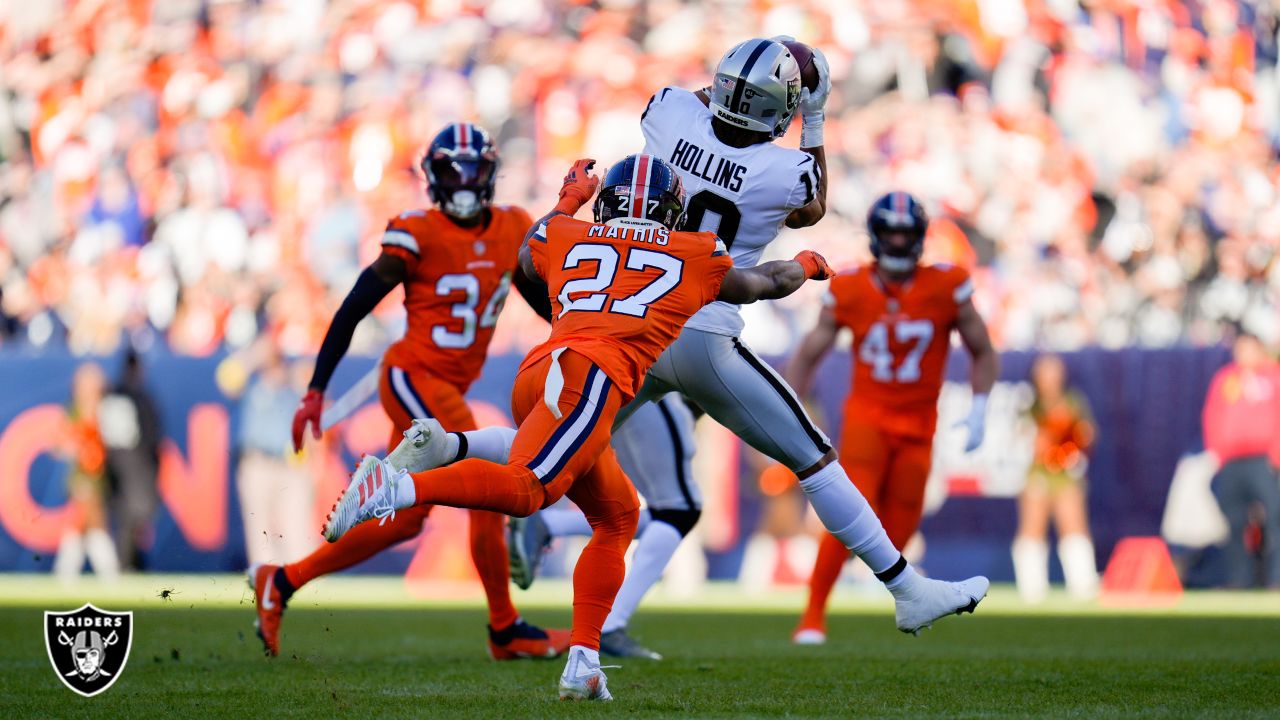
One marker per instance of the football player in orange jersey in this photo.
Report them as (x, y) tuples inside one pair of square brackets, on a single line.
[(901, 314), (456, 263), (621, 289)]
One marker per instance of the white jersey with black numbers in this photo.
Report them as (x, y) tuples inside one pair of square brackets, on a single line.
[(742, 194)]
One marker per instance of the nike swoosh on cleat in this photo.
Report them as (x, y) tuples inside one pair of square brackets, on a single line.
[(266, 593), (973, 605)]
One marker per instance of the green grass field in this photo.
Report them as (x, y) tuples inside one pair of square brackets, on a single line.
[(359, 647)]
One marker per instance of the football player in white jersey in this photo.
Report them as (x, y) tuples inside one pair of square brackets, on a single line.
[(745, 189)]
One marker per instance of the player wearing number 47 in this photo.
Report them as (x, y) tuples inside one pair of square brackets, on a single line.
[(456, 263), (901, 314)]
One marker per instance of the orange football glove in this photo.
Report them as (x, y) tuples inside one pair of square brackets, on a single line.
[(815, 266), (308, 412), (579, 187)]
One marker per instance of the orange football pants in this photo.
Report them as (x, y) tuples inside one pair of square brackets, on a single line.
[(890, 470), (405, 395), (565, 409)]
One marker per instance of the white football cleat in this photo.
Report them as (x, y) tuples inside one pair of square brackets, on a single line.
[(423, 448), (809, 636), (371, 494), (583, 679), (931, 600)]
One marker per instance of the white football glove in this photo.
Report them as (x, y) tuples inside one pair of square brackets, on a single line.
[(813, 104), (975, 423)]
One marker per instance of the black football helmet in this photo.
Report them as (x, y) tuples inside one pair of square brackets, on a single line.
[(641, 187), (461, 166), (897, 223)]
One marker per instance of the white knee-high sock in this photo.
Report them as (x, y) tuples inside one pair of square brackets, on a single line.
[(491, 443), (1079, 567), (563, 522), (102, 554), (1031, 568), (846, 514), (653, 551)]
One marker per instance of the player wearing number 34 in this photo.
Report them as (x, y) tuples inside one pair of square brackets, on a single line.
[(456, 262), (901, 314)]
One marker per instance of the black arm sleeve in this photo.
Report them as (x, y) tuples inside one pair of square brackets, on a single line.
[(534, 293), (363, 298)]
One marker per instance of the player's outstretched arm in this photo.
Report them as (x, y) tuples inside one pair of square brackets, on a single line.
[(799, 370), (814, 116), (371, 287), (986, 367), (577, 190), (773, 280)]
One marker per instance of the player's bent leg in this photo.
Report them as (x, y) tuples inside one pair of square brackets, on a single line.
[(745, 395), (274, 589), (610, 503), (489, 553), (865, 458)]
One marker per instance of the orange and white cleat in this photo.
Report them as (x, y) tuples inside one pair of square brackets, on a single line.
[(270, 604), (583, 677), (522, 641), (376, 491)]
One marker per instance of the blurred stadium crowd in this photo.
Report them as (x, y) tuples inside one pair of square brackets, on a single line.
[(203, 172)]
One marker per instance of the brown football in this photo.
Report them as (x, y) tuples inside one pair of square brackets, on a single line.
[(804, 58)]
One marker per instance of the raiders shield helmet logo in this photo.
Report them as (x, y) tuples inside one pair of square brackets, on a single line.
[(88, 647)]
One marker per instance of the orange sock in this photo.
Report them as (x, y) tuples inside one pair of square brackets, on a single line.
[(363, 541), (598, 576), (832, 555), (481, 485), (489, 553)]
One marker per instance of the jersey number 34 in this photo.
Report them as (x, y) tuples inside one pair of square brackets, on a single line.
[(606, 258), (465, 310)]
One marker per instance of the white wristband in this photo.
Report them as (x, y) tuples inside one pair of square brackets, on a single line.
[(811, 135)]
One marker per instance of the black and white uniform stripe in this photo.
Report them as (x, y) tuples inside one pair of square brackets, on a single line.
[(655, 447), (740, 391), (405, 393), (574, 428)]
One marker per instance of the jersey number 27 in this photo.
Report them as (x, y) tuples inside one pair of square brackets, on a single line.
[(874, 349), (606, 258)]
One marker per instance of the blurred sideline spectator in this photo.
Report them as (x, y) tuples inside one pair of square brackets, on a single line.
[(1242, 430), (213, 171), (1056, 489), (86, 528), (130, 428), (275, 486)]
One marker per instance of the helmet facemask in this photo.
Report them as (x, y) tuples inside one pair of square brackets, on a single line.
[(897, 224), (461, 186)]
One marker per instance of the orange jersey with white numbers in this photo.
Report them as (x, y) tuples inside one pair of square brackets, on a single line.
[(457, 283), (901, 336), (620, 294)]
